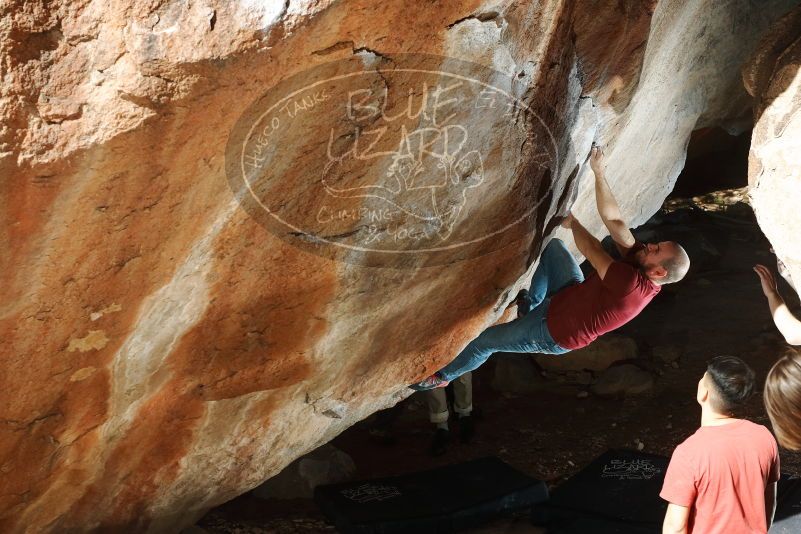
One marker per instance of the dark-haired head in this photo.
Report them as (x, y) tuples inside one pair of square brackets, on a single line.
[(730, 382)]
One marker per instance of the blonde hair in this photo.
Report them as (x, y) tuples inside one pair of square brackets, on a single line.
[(783, 399)]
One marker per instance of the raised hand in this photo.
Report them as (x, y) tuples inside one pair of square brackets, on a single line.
[(597, 162), (767, 280), (785, 321)]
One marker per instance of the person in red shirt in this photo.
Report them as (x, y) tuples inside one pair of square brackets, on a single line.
[(562, 311), (722, 479)]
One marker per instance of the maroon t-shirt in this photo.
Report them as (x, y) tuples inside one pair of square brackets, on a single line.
[(578, 314)]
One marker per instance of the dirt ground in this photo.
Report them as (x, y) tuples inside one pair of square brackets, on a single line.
[(552, 433)]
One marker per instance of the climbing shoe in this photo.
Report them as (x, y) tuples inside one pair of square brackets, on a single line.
[(432, 382)]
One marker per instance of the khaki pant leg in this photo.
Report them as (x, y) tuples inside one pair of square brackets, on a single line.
[(437, 405), (463, 394)]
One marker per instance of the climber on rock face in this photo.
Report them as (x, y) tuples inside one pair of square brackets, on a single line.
[(562, 311)]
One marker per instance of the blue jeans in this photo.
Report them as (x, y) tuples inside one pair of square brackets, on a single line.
[(557, 270)]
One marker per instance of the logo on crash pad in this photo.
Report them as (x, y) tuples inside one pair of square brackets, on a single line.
[(637, 469), (394, 161), (371, 493)]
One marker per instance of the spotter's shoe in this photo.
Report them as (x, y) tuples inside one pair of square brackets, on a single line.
[(440, 442), (467, 428)]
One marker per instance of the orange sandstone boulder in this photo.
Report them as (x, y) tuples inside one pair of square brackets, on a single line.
[(230, 230)]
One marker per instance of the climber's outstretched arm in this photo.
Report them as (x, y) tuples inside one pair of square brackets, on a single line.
[(785, 321), (590, 247), (608, 208)]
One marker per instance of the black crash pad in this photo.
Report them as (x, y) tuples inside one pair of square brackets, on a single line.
[(617, 493), (446, 499), (788, 506)]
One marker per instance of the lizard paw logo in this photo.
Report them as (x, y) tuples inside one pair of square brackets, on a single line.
[(428, 177)]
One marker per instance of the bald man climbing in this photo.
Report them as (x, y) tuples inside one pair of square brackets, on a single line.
[(562, 311)]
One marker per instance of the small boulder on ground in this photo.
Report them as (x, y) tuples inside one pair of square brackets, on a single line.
[(325, 465), (623, 380), (516, 373), (667, 353), (597, 356)]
